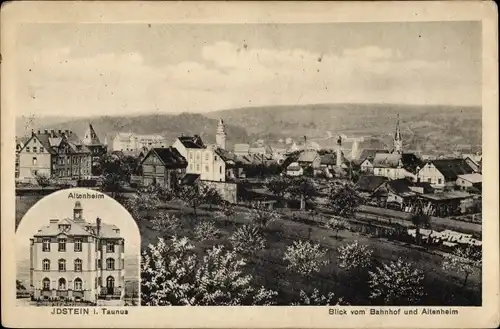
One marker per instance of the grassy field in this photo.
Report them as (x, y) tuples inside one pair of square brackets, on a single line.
[(269, 269)]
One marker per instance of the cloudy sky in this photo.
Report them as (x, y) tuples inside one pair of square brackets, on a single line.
[(91, 69)]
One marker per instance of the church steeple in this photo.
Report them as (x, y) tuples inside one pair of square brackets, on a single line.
[(398, 141), (221, 136), (91, 137)]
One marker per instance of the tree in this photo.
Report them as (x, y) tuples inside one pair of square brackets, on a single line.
[(337, 224), (305, 258), (172, 274), (261, 215), (206, 230), (114, 173), (194, 195), (164, 222), (212, 196), (344, 200), (248, 239), (396, 283), (303, 188), (354, 256), (20, 285), (42, 180), (419, 220), (317, 299), (143, 202), (463, 260), (278, 186)]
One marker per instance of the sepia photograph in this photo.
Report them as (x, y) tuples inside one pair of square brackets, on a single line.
[(253, 163), (71, 251)]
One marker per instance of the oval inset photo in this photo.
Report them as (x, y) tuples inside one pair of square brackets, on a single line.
[(78, 247)]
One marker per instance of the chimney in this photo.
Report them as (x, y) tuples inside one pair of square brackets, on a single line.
[(38, 131), (32, 132), (60, 131), (339, 152), (98, 226), (54, 220), (46, 131)]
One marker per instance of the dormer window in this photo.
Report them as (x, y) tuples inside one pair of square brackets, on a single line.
[(64, 227)]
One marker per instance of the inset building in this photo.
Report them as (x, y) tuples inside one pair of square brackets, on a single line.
[(73, 259)]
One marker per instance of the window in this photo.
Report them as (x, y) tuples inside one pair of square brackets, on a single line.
[(42, 150), (46, 265), (62, 245), (110, 247), (99, 263), (439, 180), (78, 265), (62, 284), (46, 245), (190, 155), (429, 180), (220, 169), (206, 168), (34, 149), (27, 149), (215, 158), (123, 264), (78, 284), (110, 264), (62, 265), (197, 167), (46, 284), (78, 245), (206, 156)]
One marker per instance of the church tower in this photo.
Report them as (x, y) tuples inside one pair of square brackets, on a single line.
[(91, 137), (398, 141), (78, 212), (220, 136)]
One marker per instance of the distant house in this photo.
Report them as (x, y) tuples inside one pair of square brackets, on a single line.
[(228, 166), (369, 183), (396, 166), (310, 159), (365, 160), (422, 188), (444, 204), (163, 166), (294, 169), (475, 165), (470, 180), (443, 172), (191, 148), (20, 141), (398, 191), (58, 154), (127, 141)]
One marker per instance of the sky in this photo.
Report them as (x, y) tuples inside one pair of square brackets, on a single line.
[(119, 69), (58, 205)]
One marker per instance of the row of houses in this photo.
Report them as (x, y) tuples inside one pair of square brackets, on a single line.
[(405, 195), (58, 154)]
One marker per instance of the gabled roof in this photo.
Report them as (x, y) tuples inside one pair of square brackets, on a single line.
[(191, 142), (451, 168), (331, 159), (189, 179), (92, 139), (409, 161), (169, 156), (400, 187), (78, 228), (52, 139), (370, 154), (308, 156), (370, 183), (473, 178), (228, 157)]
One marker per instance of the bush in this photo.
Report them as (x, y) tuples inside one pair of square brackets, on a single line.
[(248, 239), (206, 230), (305, 258), (396, 283)]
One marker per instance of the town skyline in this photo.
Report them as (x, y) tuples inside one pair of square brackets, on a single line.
[(128, 70)]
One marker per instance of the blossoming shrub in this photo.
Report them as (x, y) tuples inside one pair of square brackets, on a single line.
[(172, 274)]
